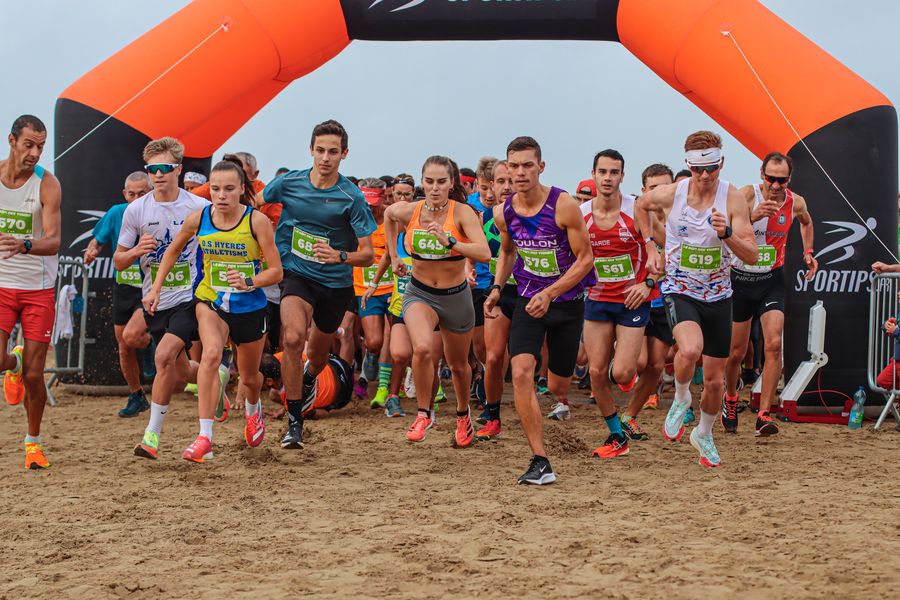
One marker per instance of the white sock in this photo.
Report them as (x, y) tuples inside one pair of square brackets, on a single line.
[(683, 391), (251, 409), (706, 423), (33, 439), (157, 416), (206, 428)]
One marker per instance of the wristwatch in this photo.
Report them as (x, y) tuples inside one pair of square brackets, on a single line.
[(499, 288), (451, 241), (27, 245), (248, 281), (728, 233), (343, 256), (650, 283)]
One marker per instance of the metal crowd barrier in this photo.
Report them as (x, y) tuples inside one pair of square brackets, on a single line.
[(71, 272), (883, 304)]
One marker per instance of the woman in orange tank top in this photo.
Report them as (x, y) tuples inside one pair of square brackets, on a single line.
[(441, 231)]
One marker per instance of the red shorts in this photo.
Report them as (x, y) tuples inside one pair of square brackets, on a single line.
[(889, 378), (36, 310)]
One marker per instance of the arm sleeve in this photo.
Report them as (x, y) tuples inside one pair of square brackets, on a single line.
[(272, 191), (131, 230)]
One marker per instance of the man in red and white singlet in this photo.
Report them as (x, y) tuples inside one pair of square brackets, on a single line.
[(759, 289), (29, 240), (618, 306)]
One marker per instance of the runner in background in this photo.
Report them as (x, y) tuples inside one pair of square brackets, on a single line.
[(759, 288), (373, 309), (30, 198), (498, 320), (126, 298)]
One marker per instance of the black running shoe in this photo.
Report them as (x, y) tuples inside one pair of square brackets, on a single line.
[(539, 472), (765, 425), (137, 403), (293, 439), (730, 415)]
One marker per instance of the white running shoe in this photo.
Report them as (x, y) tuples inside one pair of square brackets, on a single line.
[(673, 428), (409, 384), (709, 456), (559, 412)]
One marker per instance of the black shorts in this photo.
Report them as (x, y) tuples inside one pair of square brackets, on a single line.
[(714, 319), (328, 304), (756, 293), (478, 298), (562, 326), (126, 300), (243, 328), (273, 322), (659, 327), (180, 321), (509, 296)]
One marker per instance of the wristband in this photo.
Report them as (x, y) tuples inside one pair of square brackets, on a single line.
[(809, 251)]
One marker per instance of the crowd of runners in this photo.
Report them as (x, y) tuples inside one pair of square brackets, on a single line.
[(316, 287)]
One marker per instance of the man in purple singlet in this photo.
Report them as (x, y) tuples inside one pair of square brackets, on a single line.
[(544, 243)]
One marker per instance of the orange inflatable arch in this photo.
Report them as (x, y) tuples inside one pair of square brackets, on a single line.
[(270, 43)]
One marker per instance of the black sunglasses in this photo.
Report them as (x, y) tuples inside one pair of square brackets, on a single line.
[(706, 168), (773, 179)]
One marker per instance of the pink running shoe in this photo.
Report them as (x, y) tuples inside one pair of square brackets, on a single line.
[(199, 451)]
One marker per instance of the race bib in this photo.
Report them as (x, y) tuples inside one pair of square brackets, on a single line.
[(402, 282), (16, 223), (218, 274), (178, 279), (611, 269), (493, 267), (369, 276), (701, 259), (302, 245), (542, 263), (428, 246), (767, 256), (130, 276)]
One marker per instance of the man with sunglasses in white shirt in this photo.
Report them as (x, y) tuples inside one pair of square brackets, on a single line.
[(707, 224), (149, 225), (759, 289)]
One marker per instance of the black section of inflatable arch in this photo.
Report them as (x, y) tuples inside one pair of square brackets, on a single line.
[(92, 177), (859, 151), (395, 20)]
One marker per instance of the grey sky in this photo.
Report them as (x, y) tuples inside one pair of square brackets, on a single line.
[(409, 104)]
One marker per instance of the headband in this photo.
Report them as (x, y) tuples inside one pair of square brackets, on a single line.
[(467, 179), (197, 178), (702, 158)]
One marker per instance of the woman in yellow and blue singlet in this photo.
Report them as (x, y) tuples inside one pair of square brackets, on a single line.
[(230, 300)]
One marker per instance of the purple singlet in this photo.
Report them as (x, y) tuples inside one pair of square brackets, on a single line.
[(543, 250)]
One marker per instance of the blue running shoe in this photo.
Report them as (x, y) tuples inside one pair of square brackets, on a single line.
[(689, 416)]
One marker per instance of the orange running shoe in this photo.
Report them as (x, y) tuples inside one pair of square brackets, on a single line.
[(13, 387), (149, 446), (490, 431), (34, 456), (465, 432), (419, 427), (652, 402), (255, 428), (613, 446), (199, 451)]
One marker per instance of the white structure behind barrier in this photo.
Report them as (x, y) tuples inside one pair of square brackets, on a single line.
[(70, 352), (883, 304)]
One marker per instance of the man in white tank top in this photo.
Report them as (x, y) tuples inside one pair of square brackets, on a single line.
[(706, 223), (29, 240)]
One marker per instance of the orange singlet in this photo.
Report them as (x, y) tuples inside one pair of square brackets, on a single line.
[(422, 245)]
